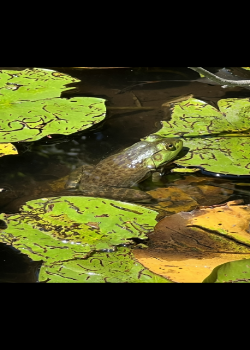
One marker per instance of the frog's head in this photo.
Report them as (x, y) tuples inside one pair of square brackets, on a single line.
[(165, 150)]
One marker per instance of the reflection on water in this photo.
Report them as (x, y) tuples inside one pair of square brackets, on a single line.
[(49, 159)]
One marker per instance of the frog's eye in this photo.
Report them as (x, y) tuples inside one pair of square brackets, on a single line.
[(169, 146)]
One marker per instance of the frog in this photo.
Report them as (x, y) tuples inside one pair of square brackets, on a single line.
[(115, 176)]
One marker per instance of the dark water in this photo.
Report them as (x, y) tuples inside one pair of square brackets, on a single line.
[(50, 159)]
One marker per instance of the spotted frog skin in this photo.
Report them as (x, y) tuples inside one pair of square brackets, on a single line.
[(114, 176)]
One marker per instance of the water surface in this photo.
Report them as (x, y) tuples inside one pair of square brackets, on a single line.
[(50, 159)]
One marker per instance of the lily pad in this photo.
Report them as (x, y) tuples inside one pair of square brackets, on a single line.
[(186, 247), (229, 220), (32, 84), (231, 272), (93, 223), (31, 107), (224, 155), (75, 236), (113, 267), (217, 140), (7, 149), (192, 118)]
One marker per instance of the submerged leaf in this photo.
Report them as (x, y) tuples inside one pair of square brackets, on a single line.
[(188, 193), (173, 200)]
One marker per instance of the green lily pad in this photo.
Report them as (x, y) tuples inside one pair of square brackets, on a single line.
[(32, 84), (93, 223), (231, 272), (192, 118), (224, 155), (71, 235), (217, 140), (31, 107), (114, 267), (196, 118)]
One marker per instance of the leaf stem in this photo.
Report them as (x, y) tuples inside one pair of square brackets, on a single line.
[(219, 80)]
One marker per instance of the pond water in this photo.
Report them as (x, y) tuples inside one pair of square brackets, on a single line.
[(24, 176)]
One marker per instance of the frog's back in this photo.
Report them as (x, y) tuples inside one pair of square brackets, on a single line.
[(123, 169)]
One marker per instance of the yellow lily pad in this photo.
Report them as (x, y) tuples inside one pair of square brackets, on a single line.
[(229, 220), (186, 247), (7, 148)]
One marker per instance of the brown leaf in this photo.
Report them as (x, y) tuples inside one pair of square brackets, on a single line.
[(205, 194), (184, 253)]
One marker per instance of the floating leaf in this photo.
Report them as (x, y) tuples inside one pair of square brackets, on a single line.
[(195, 118), (94, 223), (186, 170), (67, 232), (229, 220), (7, 149), (183, 250), (32, 84), (224, 155), (31, 107), (114, 267), (231, 272), (217, 140)]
